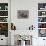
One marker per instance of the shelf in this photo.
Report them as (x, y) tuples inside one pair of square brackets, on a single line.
[(42, 16), (41, 28), (3, 22), (3, 10), (41, 10), (41, 22), (3, 16)]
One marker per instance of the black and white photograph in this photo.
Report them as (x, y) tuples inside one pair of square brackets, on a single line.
[(22, 14)]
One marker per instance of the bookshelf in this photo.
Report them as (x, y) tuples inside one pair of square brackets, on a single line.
[(4, 19), (42, 19)]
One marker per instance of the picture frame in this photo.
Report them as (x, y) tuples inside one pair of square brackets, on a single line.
[(22, 14)]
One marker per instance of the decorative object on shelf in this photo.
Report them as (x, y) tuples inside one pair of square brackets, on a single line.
[(42, 32), (41, 13), (13, 27), (3, 19), (41, 19), (43, 39), (3, 13), (4, 29), (31, 27), (22, 14), (4, 26), (6, 7), (41, 6), (41, 25), (3, 6)]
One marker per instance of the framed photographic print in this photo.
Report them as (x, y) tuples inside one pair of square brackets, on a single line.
[(22, 14)]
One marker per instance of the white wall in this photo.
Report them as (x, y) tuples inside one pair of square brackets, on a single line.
[(23, 24), (32, 6)]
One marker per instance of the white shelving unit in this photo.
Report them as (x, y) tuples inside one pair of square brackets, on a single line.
[(42, 10), (42, 18), (4, 18), (4, 23), (41, 28), (3, 10), (41, 22)]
